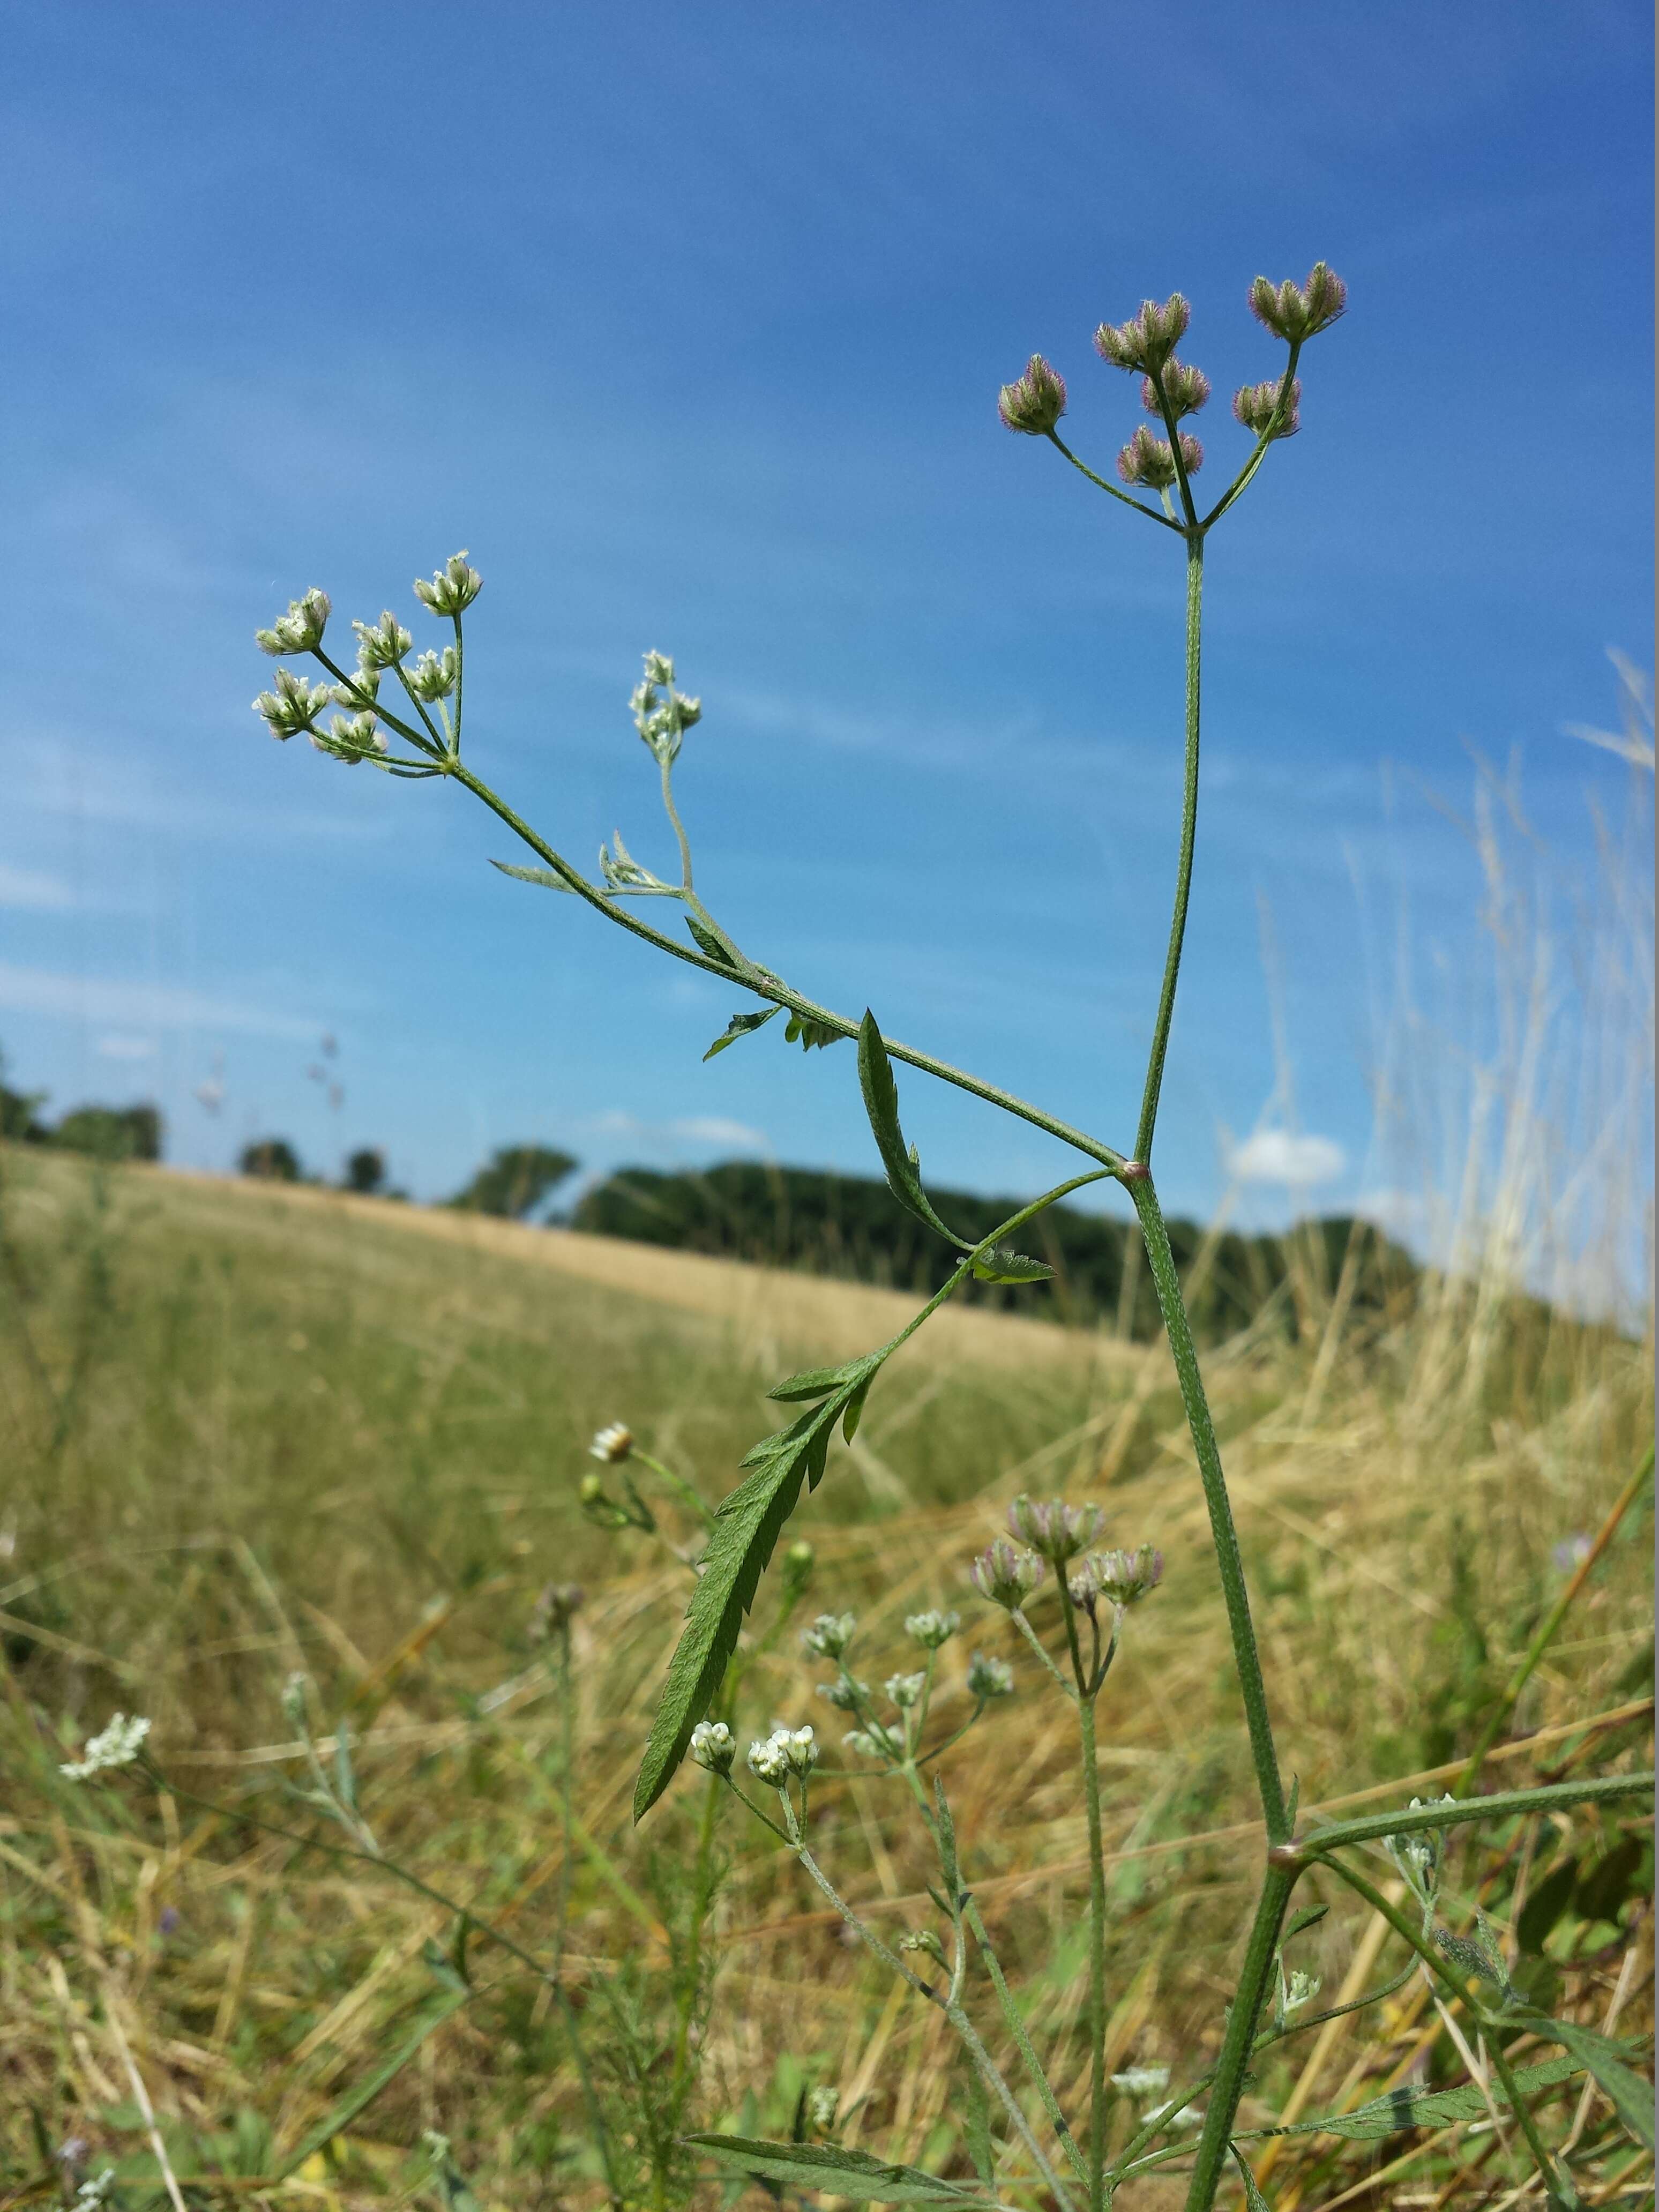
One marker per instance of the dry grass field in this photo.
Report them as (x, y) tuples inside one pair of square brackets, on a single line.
[(250, 1433)]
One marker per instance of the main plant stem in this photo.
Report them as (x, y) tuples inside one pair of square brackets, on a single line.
[(1211, 2156), (1097, 1960), (1184, 865)]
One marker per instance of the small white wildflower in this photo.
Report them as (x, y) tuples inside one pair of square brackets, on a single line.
[(437, 2146), (905, 1690), (294, 1700), (1301, 1988), (382, 644), (659, 669), (94, 2192), (299, 629), (613, 1444), (800, 1748), (292, 704), (865, 1743), (931, 1628), (1142, 2080), (829, 1634), (845, 1695), (119, 1745), (923, 1939), (453, 589), (435, 674), (989, 1678), (769, 1761), (821, 2105), (712, 1747)]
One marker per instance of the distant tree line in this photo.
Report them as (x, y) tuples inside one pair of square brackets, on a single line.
[(853, 1227), (102, 1133), (511, 1184)]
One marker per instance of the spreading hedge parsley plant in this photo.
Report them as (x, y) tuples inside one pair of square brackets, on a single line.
[(401, 713)]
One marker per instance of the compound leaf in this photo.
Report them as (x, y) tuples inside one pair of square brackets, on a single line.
[(999, 1264), (819, 1382), (545, 876), (741, 1025), (1630, 2096), (706, 941), (810, 1036), (853, 2174), (881, 1105), (1406, 2107), (747, 1528)]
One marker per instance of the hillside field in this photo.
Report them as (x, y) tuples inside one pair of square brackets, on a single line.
[(251, 1433)]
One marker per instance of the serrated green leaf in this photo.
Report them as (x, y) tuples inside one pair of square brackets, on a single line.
[(999, 1264), (747, 1528), (977, 2127), (1405, 2107), (542, 875), (706, 941), (1253, 2197), (881, 1105), (855, 1414), (1631, 2097), (1307, 1918), (810, 1036), (741, 1025), (819, 1382), (853, 2174)]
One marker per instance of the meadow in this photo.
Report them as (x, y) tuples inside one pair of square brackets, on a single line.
[(254, 1433)]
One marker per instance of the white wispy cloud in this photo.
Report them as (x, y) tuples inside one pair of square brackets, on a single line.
[(689, 1129), (31, 890), (1279, 1156), (119, 1046), (154, 1006)]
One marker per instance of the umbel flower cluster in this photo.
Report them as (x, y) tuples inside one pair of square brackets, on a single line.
[(1172, 389), (296, 706)]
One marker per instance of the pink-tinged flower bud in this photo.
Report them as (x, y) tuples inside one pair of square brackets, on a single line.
[(1256, 404), (1148, 338), (1056, 1529), (1123, 1577), (1005, 1575), (1186, 389), (1034, 402), (1148, 460), (1296, 312)]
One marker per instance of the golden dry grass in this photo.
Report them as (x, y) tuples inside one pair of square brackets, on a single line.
[(270, 1434)]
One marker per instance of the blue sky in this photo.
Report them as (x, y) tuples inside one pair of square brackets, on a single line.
[(689, 325)]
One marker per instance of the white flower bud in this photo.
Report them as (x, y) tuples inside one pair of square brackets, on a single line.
[(932, 1629), (712, 1747), (299, 630), (821, 2105), (659, 668), (118, 1744), (846, 1695), (867, 1743), (453, 589), (829, 1634), (989, 1678), (435, 674), (769, 1761), (905, 1690), (613, 1444), (292, 704), (382, 644), (1141, 2081)]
